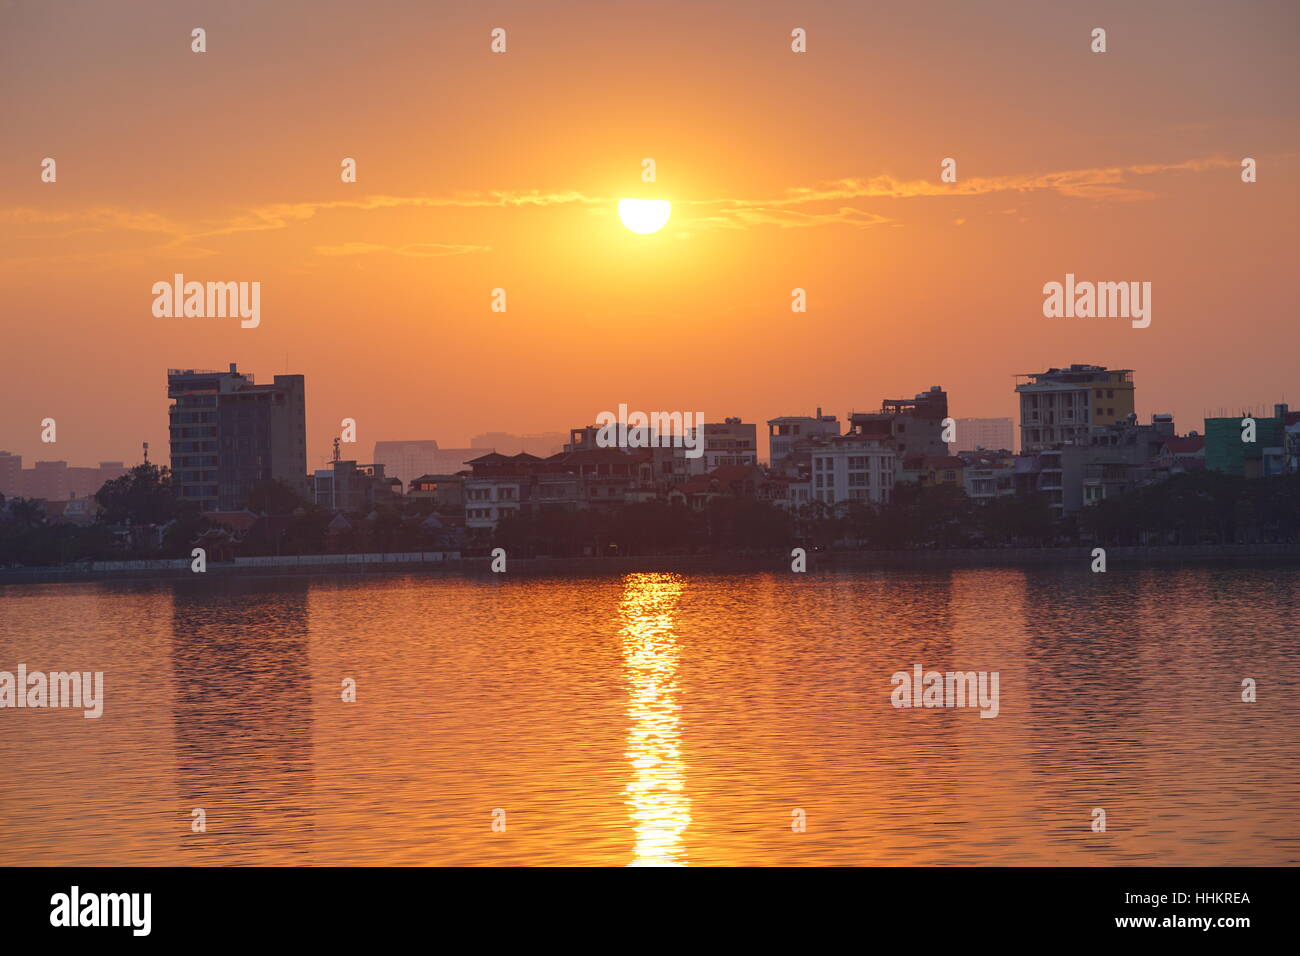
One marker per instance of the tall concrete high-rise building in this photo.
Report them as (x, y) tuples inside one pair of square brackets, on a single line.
[(227, 434), (1063, 405)]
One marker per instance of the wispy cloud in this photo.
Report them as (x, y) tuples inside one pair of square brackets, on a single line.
[(350, 249), (426, 250), (283, 215), (1115, 183), (836, 203), (733, 214), (423, 250)]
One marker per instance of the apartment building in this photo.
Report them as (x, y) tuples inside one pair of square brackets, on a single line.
[(228, 433), (728, 442), (1063, 405), (352, 488), (1109, 461), (853, 468), (913, 427), (443, 490), (785, 433)]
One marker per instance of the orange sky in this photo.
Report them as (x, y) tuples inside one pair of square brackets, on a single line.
[(477, 171)]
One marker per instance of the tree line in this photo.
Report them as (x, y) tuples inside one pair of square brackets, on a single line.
[(140, 516)]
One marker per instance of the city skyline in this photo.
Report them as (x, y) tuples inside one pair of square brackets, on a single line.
[(1080, 443), (480, 442), (463, 188)]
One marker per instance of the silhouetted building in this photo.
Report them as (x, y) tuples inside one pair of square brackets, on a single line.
[(728, 442), (989, 474), (1107, 462), (854, 468), (54, 480), (1227, 452), (409, 460), (350, 488), (505, 485), (442, 490), (227, 434), (1064, 404), (933, 470), (913, 427), (783, 434), (501, 485), (11, 474), (542, 445)]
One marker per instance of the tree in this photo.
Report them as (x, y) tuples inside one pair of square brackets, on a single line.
[(24, 513), (388, 531), (308, 532), (271, 496), (143, 496)]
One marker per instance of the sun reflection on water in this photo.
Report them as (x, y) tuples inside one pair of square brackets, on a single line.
[(656, 798)]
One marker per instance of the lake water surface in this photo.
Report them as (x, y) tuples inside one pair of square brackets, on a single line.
[(659, 719)]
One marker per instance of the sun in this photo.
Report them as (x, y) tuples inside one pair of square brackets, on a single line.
[(644, 215)]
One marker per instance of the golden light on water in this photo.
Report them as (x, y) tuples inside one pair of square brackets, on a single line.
[(644, 216), (656, 797)]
